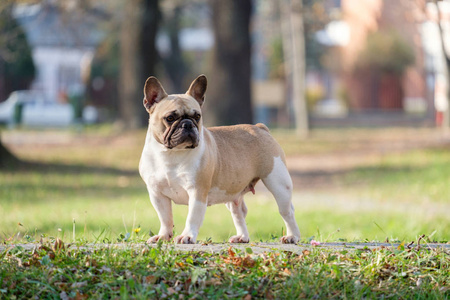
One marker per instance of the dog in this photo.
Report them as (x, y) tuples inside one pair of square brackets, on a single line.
[(186, 163)]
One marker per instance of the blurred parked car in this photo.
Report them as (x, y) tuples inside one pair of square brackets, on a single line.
[(31, 109), (10, 109), (51, 114)]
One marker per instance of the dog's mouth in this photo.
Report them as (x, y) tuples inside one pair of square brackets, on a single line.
[(183, 134)]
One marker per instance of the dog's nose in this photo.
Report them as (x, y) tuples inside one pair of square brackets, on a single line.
[(186, 124)]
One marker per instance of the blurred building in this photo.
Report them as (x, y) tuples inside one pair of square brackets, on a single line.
[(63, 43), (368, 79), (389, 90)]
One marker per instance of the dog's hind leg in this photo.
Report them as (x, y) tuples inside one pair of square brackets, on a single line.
[(239, 212), (279, 183)]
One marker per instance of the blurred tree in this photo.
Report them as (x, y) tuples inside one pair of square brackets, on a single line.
[(174, 62), (315, 18), (151, 19), (138, 58), (229, 98), (386, 52), (103, 86), (6, 157), (446, 114), (16, 64), (294, 53)]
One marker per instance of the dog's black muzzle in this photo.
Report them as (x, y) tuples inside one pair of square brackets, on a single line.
[(185, 132)]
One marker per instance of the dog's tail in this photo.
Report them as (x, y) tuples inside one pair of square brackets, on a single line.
[(262, 126)]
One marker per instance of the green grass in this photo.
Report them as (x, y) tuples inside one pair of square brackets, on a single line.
[(94, 181), (414, 177), (89, 191), (142, 272)]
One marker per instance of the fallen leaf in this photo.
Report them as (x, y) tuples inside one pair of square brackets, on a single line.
[(213, 281), (287, 272), (171, 290), (105, 269), (61, 285), (63, 296), (150, 279), (269, 295), (12, 285), (79, 296), (59, 245), (248, 262), (76, 285)]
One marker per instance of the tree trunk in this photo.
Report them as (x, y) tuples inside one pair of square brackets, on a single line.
[(151, 17), (6, 158), (229, 98), (129, 66), (294, 51), (137, 58), (446, 114), (174, 63)]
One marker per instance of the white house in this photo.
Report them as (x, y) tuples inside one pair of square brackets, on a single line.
[(63, 45)]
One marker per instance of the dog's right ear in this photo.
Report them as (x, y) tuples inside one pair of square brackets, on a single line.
[(198, 89), (153, 92)]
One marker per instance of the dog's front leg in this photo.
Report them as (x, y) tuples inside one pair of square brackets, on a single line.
[(196, 214), (163, 207)]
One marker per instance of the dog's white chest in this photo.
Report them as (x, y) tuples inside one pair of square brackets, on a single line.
[(174, 187), (171, 178)]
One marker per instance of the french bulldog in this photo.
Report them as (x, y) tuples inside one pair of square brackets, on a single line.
[(186, 163)]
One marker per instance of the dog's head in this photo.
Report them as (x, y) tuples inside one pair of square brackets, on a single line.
[(175, 120)]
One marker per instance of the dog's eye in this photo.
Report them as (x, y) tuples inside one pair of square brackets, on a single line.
[(170, 119), (197, 117)]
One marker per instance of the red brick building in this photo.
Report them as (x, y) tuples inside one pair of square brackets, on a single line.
[(366, 86)]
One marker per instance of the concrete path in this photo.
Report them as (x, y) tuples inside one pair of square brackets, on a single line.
[(257, 248)]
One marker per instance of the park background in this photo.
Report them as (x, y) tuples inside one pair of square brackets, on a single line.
[(356, 92)]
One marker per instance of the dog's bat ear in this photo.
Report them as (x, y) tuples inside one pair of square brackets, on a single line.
[(153, 92), (198, 88)]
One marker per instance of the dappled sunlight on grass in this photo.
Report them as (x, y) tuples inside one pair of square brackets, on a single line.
[(416, 177), (94, 180)]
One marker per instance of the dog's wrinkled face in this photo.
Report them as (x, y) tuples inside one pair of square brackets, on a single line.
[(175, 120)]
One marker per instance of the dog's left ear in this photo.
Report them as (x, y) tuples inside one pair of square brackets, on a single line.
[(198, 88), (153, 92)]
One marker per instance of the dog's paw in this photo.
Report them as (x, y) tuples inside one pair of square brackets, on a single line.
[(289, 239), (154, 239), (184, 239), (239, 239)]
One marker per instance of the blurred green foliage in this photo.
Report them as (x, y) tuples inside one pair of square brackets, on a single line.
[(388, 52), (16, 63)]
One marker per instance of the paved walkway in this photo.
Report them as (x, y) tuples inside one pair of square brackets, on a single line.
[(257, 248)]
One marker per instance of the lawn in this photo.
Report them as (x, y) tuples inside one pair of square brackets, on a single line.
[(80, 189), (52, 271), (86, 186)]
